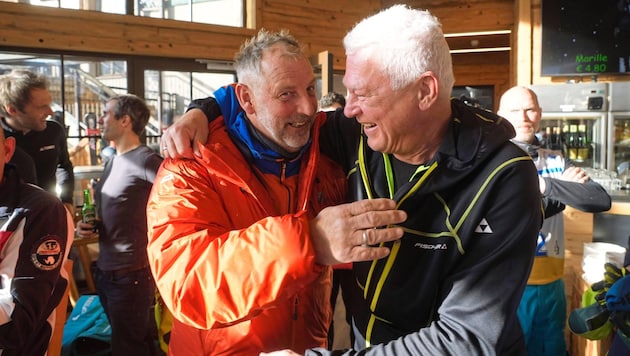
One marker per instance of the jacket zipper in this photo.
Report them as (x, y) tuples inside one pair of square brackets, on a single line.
[(294, 317), (296, 303), (283, 179)]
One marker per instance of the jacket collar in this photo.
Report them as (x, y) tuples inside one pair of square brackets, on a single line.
[(530, 148), (472, 135)]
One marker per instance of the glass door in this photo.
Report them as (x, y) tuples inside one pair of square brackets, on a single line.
[(619, 138), (581, 137)]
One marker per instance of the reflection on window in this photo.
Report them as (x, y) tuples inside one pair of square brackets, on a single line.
[(217, 12), (172, 92), (109, 6), (80, 86)]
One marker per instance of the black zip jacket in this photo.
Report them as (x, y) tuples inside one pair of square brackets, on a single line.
[(48, 151), (452, 284)]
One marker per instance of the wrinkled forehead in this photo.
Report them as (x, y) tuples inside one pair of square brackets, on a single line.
[(363, 73)]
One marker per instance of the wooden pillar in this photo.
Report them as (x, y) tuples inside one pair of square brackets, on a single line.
[(521, 58), (325, 63)]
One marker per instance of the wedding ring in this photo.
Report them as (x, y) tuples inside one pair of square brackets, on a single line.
[(365, 239), (164, 148)]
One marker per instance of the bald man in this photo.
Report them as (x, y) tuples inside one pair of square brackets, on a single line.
[(542, 312)]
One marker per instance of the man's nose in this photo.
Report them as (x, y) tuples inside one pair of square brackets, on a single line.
[(307, 105), (522, 115), (352, 108)]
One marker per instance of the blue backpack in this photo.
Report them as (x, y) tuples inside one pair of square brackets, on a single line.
[(87, 330)]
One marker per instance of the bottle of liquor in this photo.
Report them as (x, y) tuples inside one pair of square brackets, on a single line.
[(626, 132), (572, 143), (554, 139), (582, 143), (88, 210), (559, 140), (565, 139), (547, 140)]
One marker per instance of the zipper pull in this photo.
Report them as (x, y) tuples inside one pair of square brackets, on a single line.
[(295, 307)]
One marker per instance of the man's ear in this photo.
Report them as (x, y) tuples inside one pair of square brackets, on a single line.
[(11, 110), (9, 148), (125, 120), (428, 90), (245, 98)]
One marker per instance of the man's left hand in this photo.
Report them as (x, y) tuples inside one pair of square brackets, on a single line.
[(574, 174)]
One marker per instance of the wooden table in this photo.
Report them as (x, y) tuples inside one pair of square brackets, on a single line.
[(81, 244)]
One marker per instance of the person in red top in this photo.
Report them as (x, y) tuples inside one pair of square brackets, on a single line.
[(241, 238)]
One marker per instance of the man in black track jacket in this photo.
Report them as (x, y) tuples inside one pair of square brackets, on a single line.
[(41, 150)]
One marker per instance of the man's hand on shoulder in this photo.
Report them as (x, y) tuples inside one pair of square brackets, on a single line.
[(180, 139)]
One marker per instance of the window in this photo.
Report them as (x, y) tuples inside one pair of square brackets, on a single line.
[(80, 85), (217, 12), (172, 91), (109, 6)]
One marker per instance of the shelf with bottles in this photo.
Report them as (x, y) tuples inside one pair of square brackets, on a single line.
[(572, 137)]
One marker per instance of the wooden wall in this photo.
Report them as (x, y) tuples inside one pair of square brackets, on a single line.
[(462, 17)]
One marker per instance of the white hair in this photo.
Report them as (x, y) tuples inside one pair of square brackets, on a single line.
[(403, 43)]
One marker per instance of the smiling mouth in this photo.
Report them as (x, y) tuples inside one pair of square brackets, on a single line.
[(369, 126), (297, 125)]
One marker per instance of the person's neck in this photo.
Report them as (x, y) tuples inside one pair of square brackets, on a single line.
[(268, 143), (427, 147), (421, 156), (126, 144), (12, 123), (524, 143)]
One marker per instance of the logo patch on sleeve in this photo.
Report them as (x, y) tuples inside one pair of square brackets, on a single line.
[(46, 254)]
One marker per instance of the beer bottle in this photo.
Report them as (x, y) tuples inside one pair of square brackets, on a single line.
[(88, 210)]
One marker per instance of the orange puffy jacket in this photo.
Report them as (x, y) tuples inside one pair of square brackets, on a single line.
[(238, 275)]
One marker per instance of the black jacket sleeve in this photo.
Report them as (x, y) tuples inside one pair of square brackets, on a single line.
[(208, 105), (589, 197)]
